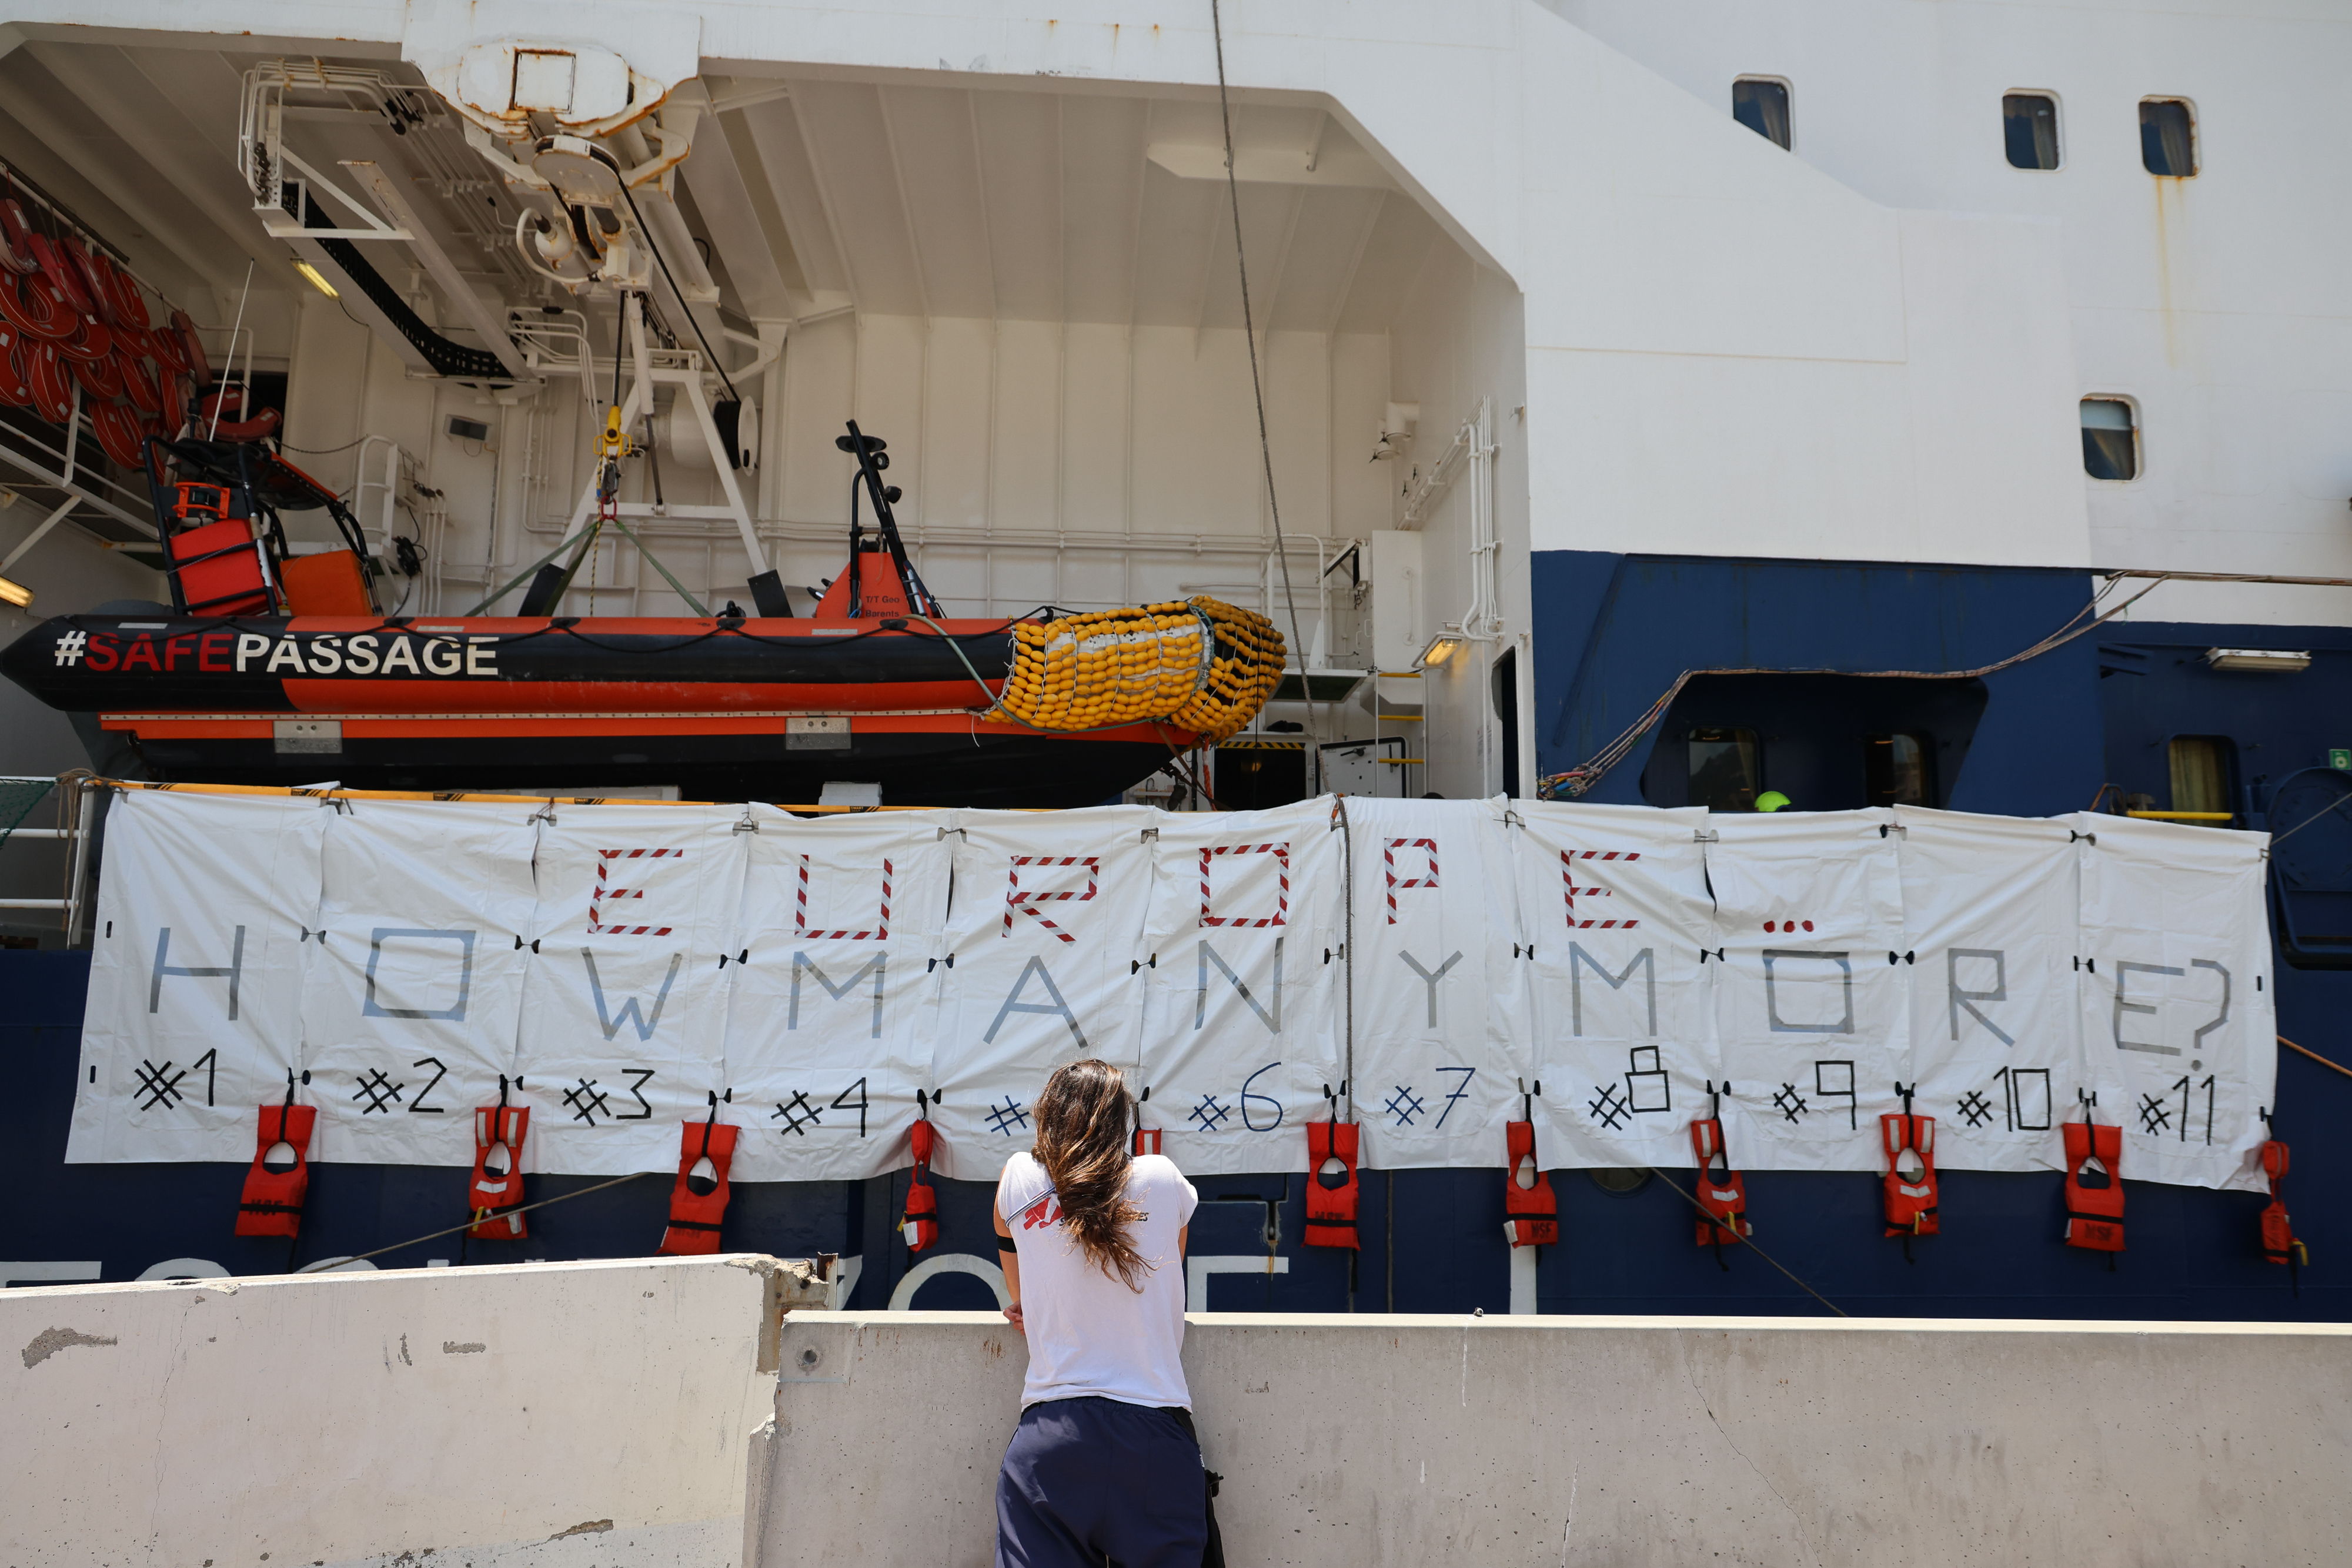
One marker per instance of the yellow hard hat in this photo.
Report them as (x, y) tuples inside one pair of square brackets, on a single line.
[(1772, 800)]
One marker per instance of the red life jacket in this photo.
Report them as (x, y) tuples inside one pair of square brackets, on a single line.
[(2279, 1243), (1910, 1174), (1331, 1203), (1724, 1196), (1530, 1209), (271, 1204), (2095, 1215), (694, 1216), (1147, 1140), (491, 1199), (921, 1222)]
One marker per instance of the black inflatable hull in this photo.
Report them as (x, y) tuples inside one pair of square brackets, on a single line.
[(766, 710)]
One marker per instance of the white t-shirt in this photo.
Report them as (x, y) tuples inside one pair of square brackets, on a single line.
[(1089, 1332)]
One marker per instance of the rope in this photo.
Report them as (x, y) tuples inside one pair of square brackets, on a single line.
[(2315, 1056), (1750, 1244), (1581, 778), (526, 1208), (2338, 804), (323, 451), (1257, 386), (1347, 947)]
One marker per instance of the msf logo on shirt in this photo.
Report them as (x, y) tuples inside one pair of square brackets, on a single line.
[(1045, 1213)]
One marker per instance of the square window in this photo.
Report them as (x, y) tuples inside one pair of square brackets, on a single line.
[(2110, 439), (1900, 768), (2200, 772), (1762, 105), (2168, 136), (1724, 770), (2028, 122)]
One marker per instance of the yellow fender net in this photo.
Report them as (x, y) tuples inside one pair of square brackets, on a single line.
[(1200, 666)]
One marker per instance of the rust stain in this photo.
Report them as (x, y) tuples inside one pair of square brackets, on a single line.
[(2171, 215)]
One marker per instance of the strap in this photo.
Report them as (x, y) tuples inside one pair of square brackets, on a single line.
[(690, 1225)]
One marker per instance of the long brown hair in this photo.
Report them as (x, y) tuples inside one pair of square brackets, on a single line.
[(1083, 1118)]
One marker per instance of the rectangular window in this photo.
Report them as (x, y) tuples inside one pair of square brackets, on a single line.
[(2110, 439), (2168, 136), (1900, 768), (2200, 773), (1762, 105), (2028, 121), (1725, 769)]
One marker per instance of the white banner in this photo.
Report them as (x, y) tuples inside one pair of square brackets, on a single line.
[(195, 983), (629, 967), (1988, 906), (1044, 941), (1616, 909), (624, 1000), (1812, 1003), (415, 987), (1444, 1045), (2178, 1018), (1242, 967), (830, 1019)]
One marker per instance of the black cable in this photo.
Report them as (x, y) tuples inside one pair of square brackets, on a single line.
[(620, 332), (684, 304), (526, 1208), (1744, 1241), (1257, 387)]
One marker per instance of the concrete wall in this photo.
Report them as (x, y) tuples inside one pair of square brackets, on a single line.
[(1367, 1441), (547, 1413), (619, 1413)]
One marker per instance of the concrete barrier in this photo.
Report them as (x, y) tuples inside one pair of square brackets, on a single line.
[(545, 1414), (613, 1413), (1360, 1442)]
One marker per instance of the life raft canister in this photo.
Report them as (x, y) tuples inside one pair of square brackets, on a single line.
[(1530, 1209), (1910, 1180), (2279, 1243), (1332, 1194), (493, 1196), (2095, 1213), (920, 1224), (1722, 1191), (271, 1203), (697, 1202)]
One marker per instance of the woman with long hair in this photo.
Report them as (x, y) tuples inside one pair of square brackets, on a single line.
[(1104, 1463)]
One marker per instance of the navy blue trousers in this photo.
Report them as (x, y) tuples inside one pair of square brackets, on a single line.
[(1086, 1480)]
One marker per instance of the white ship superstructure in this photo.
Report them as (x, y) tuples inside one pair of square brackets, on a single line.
[(1524, 280)]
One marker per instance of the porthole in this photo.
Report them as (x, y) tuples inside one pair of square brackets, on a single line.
[(1619, 1181)]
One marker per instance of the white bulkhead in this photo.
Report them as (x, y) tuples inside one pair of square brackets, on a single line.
[(1520, 282)]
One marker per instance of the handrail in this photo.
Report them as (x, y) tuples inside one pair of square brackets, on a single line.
[(74, 820), (342, 794)]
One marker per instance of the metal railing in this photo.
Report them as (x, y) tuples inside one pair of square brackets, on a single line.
[(76, 811)]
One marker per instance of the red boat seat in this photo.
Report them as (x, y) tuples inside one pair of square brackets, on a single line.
[(328, 583), (219, 570)]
